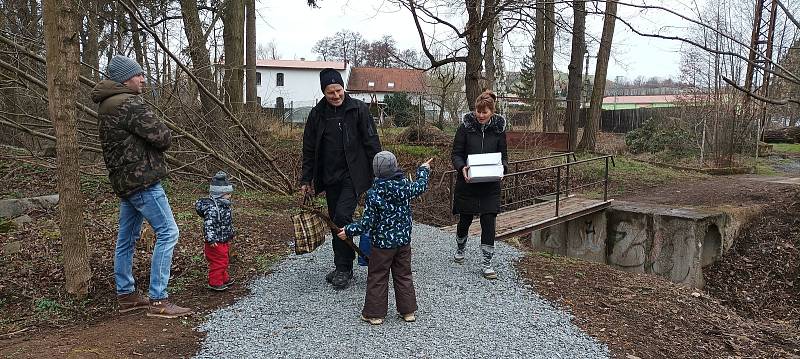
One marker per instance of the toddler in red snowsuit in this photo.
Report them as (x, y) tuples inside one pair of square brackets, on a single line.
[(217, 229)]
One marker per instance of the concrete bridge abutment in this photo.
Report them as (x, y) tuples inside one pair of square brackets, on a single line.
[(674, 243)]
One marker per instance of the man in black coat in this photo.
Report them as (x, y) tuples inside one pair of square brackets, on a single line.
[(339, 142)]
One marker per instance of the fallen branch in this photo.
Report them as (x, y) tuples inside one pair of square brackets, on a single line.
[(9, 335), (137, 16)]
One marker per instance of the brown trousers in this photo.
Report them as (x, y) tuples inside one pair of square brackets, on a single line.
[(381, 262)]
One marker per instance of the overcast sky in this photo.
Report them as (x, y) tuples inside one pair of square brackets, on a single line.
[(295, 28)]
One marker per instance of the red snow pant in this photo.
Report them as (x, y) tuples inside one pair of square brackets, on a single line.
[(217, 257)]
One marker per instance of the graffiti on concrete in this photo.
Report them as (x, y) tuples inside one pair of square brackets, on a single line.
[(674, 249), (587, 238), (628, 246)]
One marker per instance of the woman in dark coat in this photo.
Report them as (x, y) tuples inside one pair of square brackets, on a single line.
[(481, 131)]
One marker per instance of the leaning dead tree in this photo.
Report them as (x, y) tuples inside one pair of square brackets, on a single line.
[(200, 146)]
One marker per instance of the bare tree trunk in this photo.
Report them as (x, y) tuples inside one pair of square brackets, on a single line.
[(250, 56), (575, 71), (233, 36), (588, 141), (490, 60), (63, 67), (474, 60), (538, 65), (91, 49), (201, 63), (546, 59)]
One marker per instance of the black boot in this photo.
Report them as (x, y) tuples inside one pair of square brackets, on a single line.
[(342, 279)]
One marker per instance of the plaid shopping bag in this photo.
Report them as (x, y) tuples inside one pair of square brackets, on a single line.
[(309, 229)]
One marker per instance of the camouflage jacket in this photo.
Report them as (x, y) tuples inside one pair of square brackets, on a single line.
[(133, 139), (217, 219)]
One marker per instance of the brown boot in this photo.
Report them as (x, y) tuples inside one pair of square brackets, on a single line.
[(132, 301), (165, 309)]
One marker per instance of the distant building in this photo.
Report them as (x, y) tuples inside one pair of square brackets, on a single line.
[(373, 84), (634, 102), (293, 84)]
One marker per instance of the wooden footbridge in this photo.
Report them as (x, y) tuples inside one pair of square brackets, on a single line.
[(537, 198)]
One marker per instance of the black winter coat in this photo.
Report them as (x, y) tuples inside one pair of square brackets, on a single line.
[(473, 138), (360, 141)]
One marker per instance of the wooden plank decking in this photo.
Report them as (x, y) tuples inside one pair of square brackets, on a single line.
[(528, 219)]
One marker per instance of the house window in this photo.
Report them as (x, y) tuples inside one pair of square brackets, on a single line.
[(258, 79), (279, 79), (371, 84), (391, 85), (279, 103)]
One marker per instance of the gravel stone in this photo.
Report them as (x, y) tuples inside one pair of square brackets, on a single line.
[(294, 313)]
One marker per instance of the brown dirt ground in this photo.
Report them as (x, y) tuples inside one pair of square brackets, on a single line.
[(749, 308), (41, 321), (637, 315)]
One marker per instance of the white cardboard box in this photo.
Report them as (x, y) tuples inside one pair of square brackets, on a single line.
[(479, 159), (485, 173)]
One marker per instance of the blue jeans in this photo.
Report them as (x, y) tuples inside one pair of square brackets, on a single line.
[(150, 204)]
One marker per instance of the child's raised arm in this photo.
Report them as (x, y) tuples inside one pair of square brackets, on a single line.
[(420, 185)]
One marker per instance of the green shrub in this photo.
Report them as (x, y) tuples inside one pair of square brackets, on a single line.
[(652, 137)]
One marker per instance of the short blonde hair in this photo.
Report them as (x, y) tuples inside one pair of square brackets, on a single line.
[(485, 100)]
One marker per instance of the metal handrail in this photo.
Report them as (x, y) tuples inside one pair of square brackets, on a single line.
[(562, 165), (518, 162), (558, 169)]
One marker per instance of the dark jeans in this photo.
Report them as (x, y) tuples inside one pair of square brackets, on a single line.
[(488, 221), (381, 262), (342, 201)]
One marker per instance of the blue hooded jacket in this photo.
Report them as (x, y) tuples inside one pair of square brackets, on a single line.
[(387, 210)]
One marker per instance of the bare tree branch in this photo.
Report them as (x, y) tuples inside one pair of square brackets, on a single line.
[(759, 97)]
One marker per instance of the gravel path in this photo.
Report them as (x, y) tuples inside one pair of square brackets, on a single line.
[(293, 313)]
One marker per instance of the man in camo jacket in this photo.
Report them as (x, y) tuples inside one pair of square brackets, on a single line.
[(134, 141)]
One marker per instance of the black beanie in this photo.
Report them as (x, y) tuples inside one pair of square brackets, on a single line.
[(329, 76)]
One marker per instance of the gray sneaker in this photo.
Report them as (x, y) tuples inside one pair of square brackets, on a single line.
[(488, 253), (459, 256), (488, 272), (461, 249)]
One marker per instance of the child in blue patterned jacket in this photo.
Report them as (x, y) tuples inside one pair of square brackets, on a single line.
[(217, 229), (387, 218)]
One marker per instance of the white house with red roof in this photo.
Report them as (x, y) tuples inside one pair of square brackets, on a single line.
[(293, 84)]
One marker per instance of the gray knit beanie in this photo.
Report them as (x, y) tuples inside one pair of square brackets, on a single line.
[(220, 184), (384, 165), (122, 68)]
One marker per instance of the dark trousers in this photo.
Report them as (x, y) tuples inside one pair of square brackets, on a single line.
[(488, 221), (342, 201), (217, 257), (381, 262)]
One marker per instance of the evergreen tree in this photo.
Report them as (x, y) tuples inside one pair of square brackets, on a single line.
[(524, 87)]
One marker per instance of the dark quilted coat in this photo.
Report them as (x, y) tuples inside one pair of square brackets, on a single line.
[(387, 210), (471, 138)]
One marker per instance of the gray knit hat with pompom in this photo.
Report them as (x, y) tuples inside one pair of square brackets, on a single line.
[(220, 184)]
